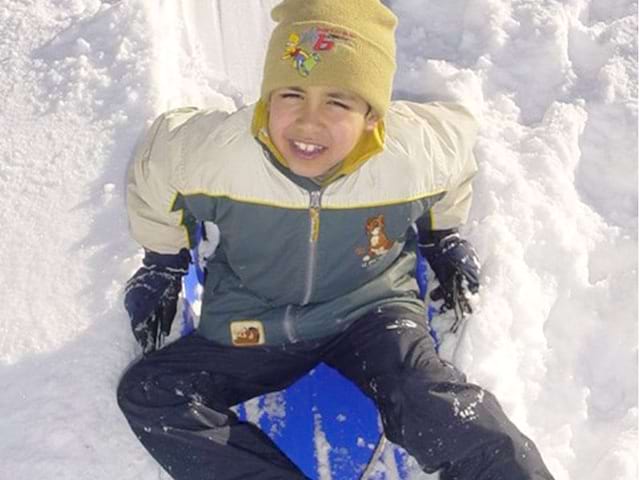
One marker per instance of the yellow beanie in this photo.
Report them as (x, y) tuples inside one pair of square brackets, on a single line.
[(344, 43)]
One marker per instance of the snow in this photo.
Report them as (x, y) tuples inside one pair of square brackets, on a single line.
[(322, 448), (554, 220)]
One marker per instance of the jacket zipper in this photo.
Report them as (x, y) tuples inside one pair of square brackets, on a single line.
[(314, 233)]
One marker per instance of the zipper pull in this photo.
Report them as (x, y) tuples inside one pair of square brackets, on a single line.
[(315, 199)]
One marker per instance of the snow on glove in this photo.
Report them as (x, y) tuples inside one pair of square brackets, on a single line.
[(151, 297), (456, 266)]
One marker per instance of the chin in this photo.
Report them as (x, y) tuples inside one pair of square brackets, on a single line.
[(305, 172)]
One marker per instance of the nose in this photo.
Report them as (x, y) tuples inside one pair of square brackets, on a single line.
[(309, 115)]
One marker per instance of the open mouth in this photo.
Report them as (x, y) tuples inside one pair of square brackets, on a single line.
[(306, 149)]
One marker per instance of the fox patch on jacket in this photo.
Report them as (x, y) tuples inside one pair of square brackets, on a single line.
[(379, 243)]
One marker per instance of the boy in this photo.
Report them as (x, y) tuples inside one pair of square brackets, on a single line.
[(318, 191)]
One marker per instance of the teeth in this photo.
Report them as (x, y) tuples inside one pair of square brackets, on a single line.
[(307, 147)]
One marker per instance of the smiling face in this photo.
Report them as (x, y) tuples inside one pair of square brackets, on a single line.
[(315, 128)]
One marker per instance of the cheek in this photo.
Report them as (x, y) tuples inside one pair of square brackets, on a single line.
[(275, 136), (272, 122), (347, 135), (276, 125)]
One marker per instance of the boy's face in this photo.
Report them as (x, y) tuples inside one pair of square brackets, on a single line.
[(315, 128)]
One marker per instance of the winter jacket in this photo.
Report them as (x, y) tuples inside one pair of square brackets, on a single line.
[(295, 260)]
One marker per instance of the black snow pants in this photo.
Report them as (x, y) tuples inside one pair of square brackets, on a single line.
[(177, 401)]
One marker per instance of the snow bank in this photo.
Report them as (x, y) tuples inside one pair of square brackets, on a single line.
[(544, 329), (555, 215), (76, 92)]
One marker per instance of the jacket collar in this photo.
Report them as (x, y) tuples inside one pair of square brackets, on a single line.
[(370, 144)]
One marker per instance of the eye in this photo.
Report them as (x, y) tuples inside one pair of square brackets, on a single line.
[(290, 95), (340, 104)]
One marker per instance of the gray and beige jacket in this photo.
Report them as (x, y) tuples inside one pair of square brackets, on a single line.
[(298, 260)]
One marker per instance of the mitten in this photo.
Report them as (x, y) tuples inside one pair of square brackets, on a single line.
[(456, 266), (151, 297)]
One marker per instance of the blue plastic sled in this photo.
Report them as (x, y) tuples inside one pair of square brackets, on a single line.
[(323, 422)]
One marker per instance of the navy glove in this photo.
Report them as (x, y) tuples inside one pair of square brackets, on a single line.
[(456, 266), (151, 297)]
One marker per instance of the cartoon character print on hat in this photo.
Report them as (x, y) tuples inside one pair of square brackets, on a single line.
[(379, 242), (305, 50)]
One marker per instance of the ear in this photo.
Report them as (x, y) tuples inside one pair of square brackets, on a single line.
[(371, 121)]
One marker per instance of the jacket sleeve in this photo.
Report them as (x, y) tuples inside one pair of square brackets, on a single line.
[(155, 179), (456, 130)]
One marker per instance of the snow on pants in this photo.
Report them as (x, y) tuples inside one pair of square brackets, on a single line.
[(177, 401)]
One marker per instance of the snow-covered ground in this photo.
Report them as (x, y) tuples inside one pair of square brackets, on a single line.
[(554, 84)]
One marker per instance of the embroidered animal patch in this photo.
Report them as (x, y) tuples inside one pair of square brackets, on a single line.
[(305, 50), (247, 333), (379, 243)]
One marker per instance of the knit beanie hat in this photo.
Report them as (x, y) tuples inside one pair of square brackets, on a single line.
[(343, 43)]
